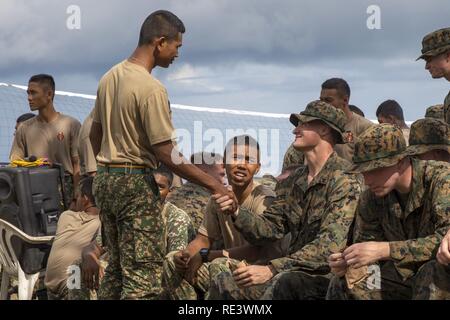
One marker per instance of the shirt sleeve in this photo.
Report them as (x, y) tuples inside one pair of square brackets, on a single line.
[(96, 111), (18, 146), (367, 222), (156, 118)]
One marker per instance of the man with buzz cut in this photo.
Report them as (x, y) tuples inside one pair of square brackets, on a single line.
[(400, 222), (336, 92), (436, 53), (317, 209)]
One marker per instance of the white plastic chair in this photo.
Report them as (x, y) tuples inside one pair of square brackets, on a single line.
[(10, 264)]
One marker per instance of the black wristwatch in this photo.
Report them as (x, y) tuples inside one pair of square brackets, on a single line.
[(204, 252)]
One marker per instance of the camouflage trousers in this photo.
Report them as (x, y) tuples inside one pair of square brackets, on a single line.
[(431, 282), (177, 288), (133, 227), (223, 287)]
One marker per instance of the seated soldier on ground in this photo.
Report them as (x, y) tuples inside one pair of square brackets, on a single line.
[(400, 221), (443, 255), (75, 230), (391, 112), (317, 208), (192, 198), (186, 272), (179, 232), (429, 139)]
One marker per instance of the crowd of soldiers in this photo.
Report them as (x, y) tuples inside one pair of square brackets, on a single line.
[(359, 211)]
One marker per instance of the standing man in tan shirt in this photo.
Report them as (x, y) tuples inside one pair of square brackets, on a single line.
[(131, 133), (336, 92), (50, 135)]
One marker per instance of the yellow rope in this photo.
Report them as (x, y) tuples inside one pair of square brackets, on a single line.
[(22, 163)]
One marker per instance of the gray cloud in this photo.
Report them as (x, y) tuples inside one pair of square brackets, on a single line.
[(253, 54)]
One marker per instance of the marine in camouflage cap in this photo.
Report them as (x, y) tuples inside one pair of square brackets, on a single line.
[(435, 43), (429, 134), (379, 146), (319, 110), (436, 111)]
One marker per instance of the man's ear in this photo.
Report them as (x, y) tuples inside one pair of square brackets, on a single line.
[(160, 42)]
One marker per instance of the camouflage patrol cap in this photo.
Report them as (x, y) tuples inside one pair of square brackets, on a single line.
[(436, 111), (429, 134), (379, 146), (435, 43), (320, 110)]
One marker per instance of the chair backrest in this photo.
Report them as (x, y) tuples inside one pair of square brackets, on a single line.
[(8, 257)]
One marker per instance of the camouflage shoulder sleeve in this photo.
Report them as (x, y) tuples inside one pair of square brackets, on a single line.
[(337, 217), (179, 228), (419, 250), (367, 222), (264, 228)]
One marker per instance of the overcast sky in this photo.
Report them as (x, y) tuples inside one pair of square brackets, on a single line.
[(257, 55)]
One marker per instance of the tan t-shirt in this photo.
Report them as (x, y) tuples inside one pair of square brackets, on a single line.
[(74, 232), (220, 226), (88, 163), (133, 110), (56, 140), (353, 129)]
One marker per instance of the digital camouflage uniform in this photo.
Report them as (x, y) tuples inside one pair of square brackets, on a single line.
[(413, 225), (429, 134), (436, 111), (135, 270), (447, 108), (433, 44), (317, 215), (192, 199)]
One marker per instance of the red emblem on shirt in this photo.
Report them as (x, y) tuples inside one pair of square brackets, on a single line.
[(348, 136), (60, 136)]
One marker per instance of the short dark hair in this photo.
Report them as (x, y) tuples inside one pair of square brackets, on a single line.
[(390, 108), (205, 158), (339, 84), (25, 117), (164, 171), (86, 188), (44, 80), (242, 140), (160, 23), (356, 110)]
